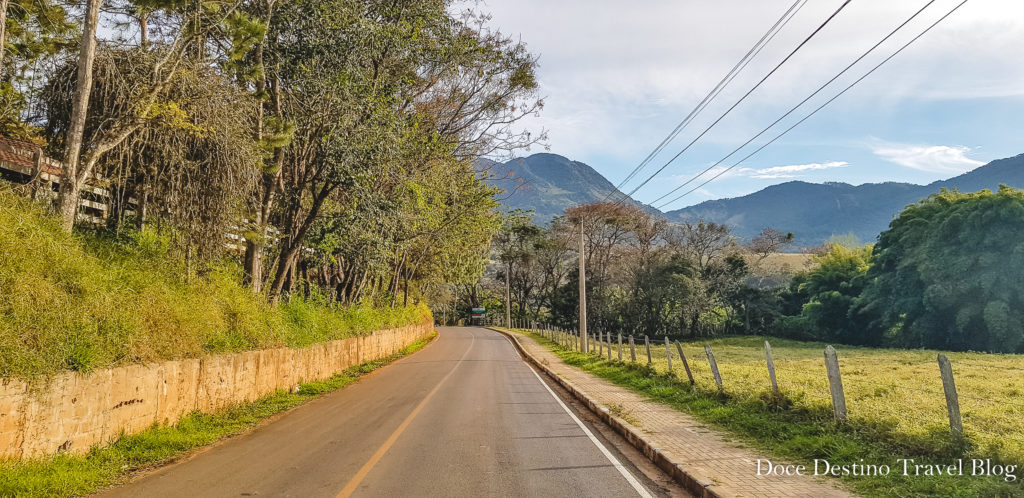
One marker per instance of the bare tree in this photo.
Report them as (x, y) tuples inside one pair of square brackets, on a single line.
[(702, 242), (769, 242)]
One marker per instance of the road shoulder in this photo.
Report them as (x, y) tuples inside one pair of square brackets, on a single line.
[(699, 458)]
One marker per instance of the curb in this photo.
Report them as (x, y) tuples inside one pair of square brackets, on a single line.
[(692, 481)]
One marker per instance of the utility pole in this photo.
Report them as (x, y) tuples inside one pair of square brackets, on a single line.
[(583, 293), (508, 295)]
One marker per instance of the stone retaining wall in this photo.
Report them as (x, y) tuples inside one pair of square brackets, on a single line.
[(76, 411)]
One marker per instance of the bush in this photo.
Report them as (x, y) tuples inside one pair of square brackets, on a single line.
[(947, 273), (80, 302)]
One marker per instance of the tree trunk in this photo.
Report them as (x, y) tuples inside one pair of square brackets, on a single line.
[(70, 190), (143, 29), (3, 31), (290, 249), (405, 292), (254, 266), (253, 270)]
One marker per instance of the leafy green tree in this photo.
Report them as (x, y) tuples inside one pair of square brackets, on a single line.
[(947, 274), (833, 288), (380, 93), (32, 32), (663, 298)]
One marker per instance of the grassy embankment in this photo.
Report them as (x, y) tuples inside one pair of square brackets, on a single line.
[(894, 398), (66, 475), (83, 302)]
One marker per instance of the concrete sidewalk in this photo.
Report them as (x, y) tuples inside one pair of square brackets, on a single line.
[(702, 458)]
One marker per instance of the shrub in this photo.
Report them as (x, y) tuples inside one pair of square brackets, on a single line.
[(81, 302)]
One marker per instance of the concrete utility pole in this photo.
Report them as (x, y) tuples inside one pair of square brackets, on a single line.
[(583, 293), (508, 295)]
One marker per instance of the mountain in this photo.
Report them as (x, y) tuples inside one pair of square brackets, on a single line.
[(814, 212), (548, 184)]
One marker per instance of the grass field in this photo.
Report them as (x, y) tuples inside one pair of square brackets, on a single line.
[(895, 402), (786, 262), (68, 475)]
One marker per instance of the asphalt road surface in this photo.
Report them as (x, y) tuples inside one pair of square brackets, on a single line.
[(463, 417)]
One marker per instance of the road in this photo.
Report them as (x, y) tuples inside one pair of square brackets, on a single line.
[(463, 417)]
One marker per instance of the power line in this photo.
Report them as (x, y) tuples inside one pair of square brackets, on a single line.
[(815, 111), (759, 83), (750, 55), (802, 102)]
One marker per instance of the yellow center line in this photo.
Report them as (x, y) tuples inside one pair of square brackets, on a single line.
[(368, 466)]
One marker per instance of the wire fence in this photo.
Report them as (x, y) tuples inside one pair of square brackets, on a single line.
[(909, 395)]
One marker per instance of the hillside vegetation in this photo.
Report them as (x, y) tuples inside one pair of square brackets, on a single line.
[(81, 302)]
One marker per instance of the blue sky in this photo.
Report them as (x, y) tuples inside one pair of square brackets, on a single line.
[(618, 76)]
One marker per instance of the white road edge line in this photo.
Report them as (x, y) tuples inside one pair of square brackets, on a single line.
[(640, 490), (513, 347)]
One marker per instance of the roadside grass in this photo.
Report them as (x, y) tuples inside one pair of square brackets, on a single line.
[(76, 475), (87, 301), (894, 398)]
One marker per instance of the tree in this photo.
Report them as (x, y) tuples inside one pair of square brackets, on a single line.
[(190, 23), (663, 299), (516, 245), (768, 242), (376, 94), (70, 186), (832, 289), (702, 242), (32, 35), (946, 274)]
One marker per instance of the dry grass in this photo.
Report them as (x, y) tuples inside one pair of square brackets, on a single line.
[(899, 391), (895, 401), (784, 262)]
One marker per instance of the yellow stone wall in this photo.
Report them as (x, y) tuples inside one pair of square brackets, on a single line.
[(76, 411)]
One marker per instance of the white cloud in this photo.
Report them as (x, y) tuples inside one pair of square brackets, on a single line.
[(929, 158), (790, 171), (619, 78)]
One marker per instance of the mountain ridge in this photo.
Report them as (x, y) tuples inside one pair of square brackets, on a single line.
[(549, 183), (814, 212)]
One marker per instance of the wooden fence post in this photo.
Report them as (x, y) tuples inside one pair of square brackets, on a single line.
[(620, 346), (686, 364), (771, 366), (835, 384), (600, 344), (668, 354), (714, 366), (647, 344), (952, 400), (632, 350)]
